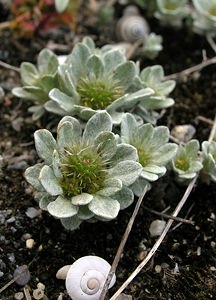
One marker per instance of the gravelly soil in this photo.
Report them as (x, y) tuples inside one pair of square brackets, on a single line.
[(187, 256)]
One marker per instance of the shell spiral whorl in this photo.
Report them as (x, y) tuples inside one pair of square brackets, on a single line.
[(132, 27), (92, 281), (86, 277)]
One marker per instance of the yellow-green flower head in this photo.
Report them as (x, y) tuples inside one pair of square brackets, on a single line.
[(187, 163), (85, 175)]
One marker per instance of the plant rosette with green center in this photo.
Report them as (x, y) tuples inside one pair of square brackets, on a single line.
[(204, 17), (208, 173), (172, 12), (95, 79), (85, 175), (38, 81), (187, 162), (152, 146), (153, 78)]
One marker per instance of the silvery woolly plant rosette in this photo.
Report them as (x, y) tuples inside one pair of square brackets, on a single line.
[(172, 12), (204, 16), (95, 79), (187, 162), (154, 151), (153, 77), (85, 176), (38, 81), (208, 173)]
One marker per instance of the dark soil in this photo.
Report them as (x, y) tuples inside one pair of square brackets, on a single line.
[(187, 256)]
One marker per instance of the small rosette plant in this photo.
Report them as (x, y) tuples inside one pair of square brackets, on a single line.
[(38, 81), (204, 16), (152, 45), (187, 162), (95, 79), (85, 175), (153, 77), (208, 173), (172, 12), (154, 151)]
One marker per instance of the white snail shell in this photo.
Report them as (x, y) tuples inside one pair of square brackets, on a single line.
[(132, 27), (86, 277)]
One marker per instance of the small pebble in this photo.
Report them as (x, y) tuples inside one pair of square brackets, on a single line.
[(41, 286), (212, 268), (1, 274), (213, 244), (183, 133), (176, 269), (23, 274), (19, 296), (158, 268), (26, 236), (32, 212), (11, 220), (198, 251), (62, 273), (157, 227), (11, 257), (60, 297), (30, 243), (38, 294)]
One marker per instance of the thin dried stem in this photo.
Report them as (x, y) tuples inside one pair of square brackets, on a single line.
[(122, 244), (167, 216), (133, 48), (193, 69), (158, 242), (204, 119), (7, 66)]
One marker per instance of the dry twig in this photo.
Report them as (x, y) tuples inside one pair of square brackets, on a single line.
[(193, 69), (122, 244), (7, 66), (167, 216), (158, 242)]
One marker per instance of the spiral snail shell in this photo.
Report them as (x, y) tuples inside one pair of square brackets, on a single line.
[(86, 277), (131, 26)]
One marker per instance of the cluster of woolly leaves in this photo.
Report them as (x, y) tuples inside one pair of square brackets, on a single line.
[(38, 81), (187, 162), (153, 77), (154, 151), (208, 172), (85, 174), (93, 79), (171, 12), (152, 45), (204, 16)]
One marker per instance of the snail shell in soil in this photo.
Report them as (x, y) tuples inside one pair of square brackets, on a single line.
[(132, 27), (86, 277)]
